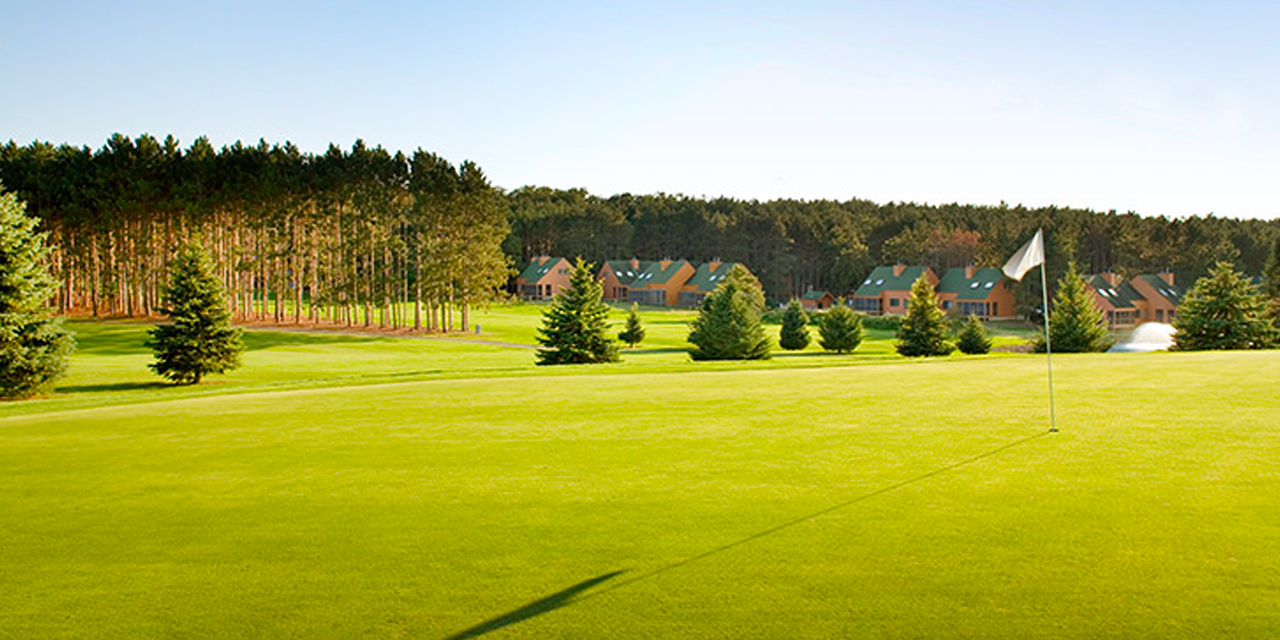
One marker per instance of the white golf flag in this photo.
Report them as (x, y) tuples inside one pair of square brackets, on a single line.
[(1030, 256)]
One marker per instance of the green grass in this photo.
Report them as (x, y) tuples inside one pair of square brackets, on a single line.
[(351, 486)]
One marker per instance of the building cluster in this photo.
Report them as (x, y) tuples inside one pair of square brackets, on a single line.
[(981, 291), (663, 283)]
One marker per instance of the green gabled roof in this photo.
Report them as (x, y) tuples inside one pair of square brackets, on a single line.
[(706, 279), (979, 287), (623, 270), (882, 279), (537, 268), (655, 274), (814, 295), (1171, 292), (1120, 297)]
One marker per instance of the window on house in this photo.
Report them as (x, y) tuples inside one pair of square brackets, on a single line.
[(893, 302)]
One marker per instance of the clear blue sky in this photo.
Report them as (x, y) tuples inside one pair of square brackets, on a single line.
[(1157, 107)]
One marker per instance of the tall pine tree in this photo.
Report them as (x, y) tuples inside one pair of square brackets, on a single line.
[(924, 329), (1076, 324), (33, 344), (199, 339), (728, 326), (840, 329), (794, 334), (574, 328)]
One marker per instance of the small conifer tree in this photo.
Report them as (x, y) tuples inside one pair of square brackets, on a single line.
[(575, 327), (634, 333), (199, 338), (1223, 311), (924, 328), (795, 327), (33, 344), (973, 338), (1076, 324), (840, 329), (728, 326)]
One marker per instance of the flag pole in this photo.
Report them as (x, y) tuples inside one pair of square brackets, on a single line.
[(1048, 347)]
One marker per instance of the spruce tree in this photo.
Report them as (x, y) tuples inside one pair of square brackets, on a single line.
[(199, 339), (924, 328), (1271, 288), (575, 327), (1076, 324), (33, 344), (840, 329), (634, 333), (973, 338), (728, 326), (1222, 311), (795, 327)]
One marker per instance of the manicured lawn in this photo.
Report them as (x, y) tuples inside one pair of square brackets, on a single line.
[(349, 486)]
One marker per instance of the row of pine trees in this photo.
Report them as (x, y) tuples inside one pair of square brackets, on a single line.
[(358, 237)]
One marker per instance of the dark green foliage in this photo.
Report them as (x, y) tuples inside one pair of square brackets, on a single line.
[(1271, 274), (634, 333), (795, 330), (882, 323), (1075, 323), (1223, 311), (924, 328), (728, 326), (840, 329), (973, 338), (33, 345), (575, 327), (199, 338)]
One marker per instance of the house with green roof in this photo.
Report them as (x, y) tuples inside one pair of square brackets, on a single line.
[(704, 280), (543, 277), (660, 283), (887, 289), (1160, 294), (616, 276), (1117, 300), (983, 292), (814, 300)]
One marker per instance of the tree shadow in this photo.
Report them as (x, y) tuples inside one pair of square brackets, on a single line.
[(114, 386), (536, 608), (255, 340)]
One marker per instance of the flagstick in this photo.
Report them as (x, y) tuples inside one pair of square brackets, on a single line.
[(1048, 348)]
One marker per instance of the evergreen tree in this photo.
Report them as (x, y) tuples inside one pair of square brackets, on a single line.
[(924, 328), (574, 328), (634, 333), (795, 327), (199, 339), (840, 329), (973, 338), (1076, 325), (1222, 311), (728, 326), (1271, 274), (33, 344)]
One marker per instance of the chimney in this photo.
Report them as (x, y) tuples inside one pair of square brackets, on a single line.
[(714, 265), (635, 264), (898, 269), (969, 271), (1111, 278), (1167, 276), (664, 263)]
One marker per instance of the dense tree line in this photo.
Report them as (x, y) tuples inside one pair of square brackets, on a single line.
[(348, 234), (361, 236)]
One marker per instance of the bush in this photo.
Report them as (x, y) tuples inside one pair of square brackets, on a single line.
[(795, 332), (882, 323), (973, 338), (1223, 311), (841, 330), (634, 333)]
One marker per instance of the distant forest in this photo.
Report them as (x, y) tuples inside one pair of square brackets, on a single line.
[(348, 233)]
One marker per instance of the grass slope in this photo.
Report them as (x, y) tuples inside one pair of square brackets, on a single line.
[(652, 502)]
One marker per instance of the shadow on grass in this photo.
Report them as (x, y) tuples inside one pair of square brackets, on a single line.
[(115, 386), (538, 607), (266, 339)]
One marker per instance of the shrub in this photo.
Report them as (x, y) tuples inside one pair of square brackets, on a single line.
[(795, 332), (841, 330), (1223, 311), (973, 338)]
